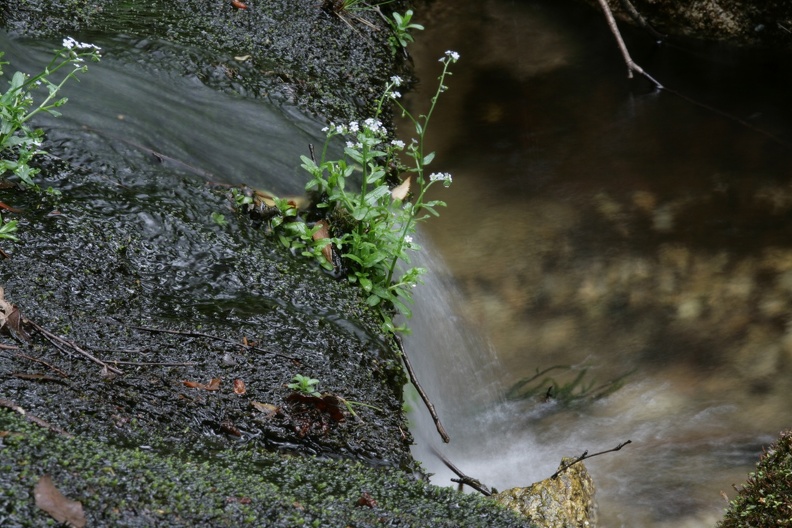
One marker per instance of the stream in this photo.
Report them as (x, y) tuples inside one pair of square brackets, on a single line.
[(632, 242), (618, 259)]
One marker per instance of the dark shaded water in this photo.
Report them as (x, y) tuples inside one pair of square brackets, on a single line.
[(625, 234)]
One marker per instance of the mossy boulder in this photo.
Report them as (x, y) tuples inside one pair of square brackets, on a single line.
[(566, 501), (766, 499)]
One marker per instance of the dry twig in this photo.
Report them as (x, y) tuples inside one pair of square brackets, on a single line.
[(585, 455), (424, 397), (631, 65), (60, 343)]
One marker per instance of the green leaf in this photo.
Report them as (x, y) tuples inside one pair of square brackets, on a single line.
[(365, 284), (428, 158)]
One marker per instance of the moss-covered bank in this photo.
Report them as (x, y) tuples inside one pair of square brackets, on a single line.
[(144, 487), (128, 265)]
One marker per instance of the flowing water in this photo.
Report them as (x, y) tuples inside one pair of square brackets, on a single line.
[(636, 240)]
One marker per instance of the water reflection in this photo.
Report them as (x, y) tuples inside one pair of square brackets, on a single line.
[(599, 224)]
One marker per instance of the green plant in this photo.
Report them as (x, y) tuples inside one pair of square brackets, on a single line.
[(304, 385), (7, 229), (370, 226), (19, 143), (219, 219), (400, 27), (764, 500)]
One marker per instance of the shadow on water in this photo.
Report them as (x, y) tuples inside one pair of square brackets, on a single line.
[(628, 233)]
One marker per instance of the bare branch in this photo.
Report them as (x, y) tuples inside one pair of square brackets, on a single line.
[(424, 397), (631, 65), (585, 455), (60, 342)]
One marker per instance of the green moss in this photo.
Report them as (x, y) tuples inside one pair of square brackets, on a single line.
[(766, 499), (136, 487)]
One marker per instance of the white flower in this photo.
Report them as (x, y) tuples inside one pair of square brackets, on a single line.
[(375, 126), (326, 129), (398, 143), (353, 126), (70, 43), (408, 239), (395, 95), (453, 55), (396, 80), (350, 144), (440, 176)]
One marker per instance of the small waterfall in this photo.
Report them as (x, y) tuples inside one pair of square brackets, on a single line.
[(457, 368)]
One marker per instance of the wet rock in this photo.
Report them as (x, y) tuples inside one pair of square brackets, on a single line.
[(742, 22), (564, 502)]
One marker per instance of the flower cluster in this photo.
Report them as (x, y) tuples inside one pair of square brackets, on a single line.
[(444, 177), (450, 56), (70, 43)]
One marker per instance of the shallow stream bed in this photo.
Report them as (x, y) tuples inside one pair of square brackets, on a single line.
[(637, 240)]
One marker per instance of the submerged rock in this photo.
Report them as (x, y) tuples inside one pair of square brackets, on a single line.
[(566, 501)]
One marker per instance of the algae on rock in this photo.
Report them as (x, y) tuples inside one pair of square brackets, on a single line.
[(566, 501)]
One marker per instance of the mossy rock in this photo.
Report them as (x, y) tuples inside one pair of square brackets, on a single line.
[(765, 501), (566, 501)]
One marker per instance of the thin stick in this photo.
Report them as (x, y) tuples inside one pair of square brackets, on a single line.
[(463, 479), (424, 397), (585, 455), (52, 338), (631, 65), (150, 363), (216, 338), (640, 20), (37, 360)]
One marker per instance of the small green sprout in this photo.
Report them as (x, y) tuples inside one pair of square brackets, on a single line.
[(219, 219), (7, 229), (304, 385), (401, 26)]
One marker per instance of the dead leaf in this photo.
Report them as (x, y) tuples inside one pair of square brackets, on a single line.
[(366, 500), (328, 403), (322, 233), (242, 58), (52, 501), (11, 318), (228, 427), (213, 385), (239, 387), (267, 409), (9, 208), (401, 191)]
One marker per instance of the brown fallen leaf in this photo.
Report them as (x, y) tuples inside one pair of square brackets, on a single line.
[(401, 191), (239, 387), (267, 409), (366, 500), (11, 318), (321, 234), (52, 501), (213, 385), (328, 403)]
